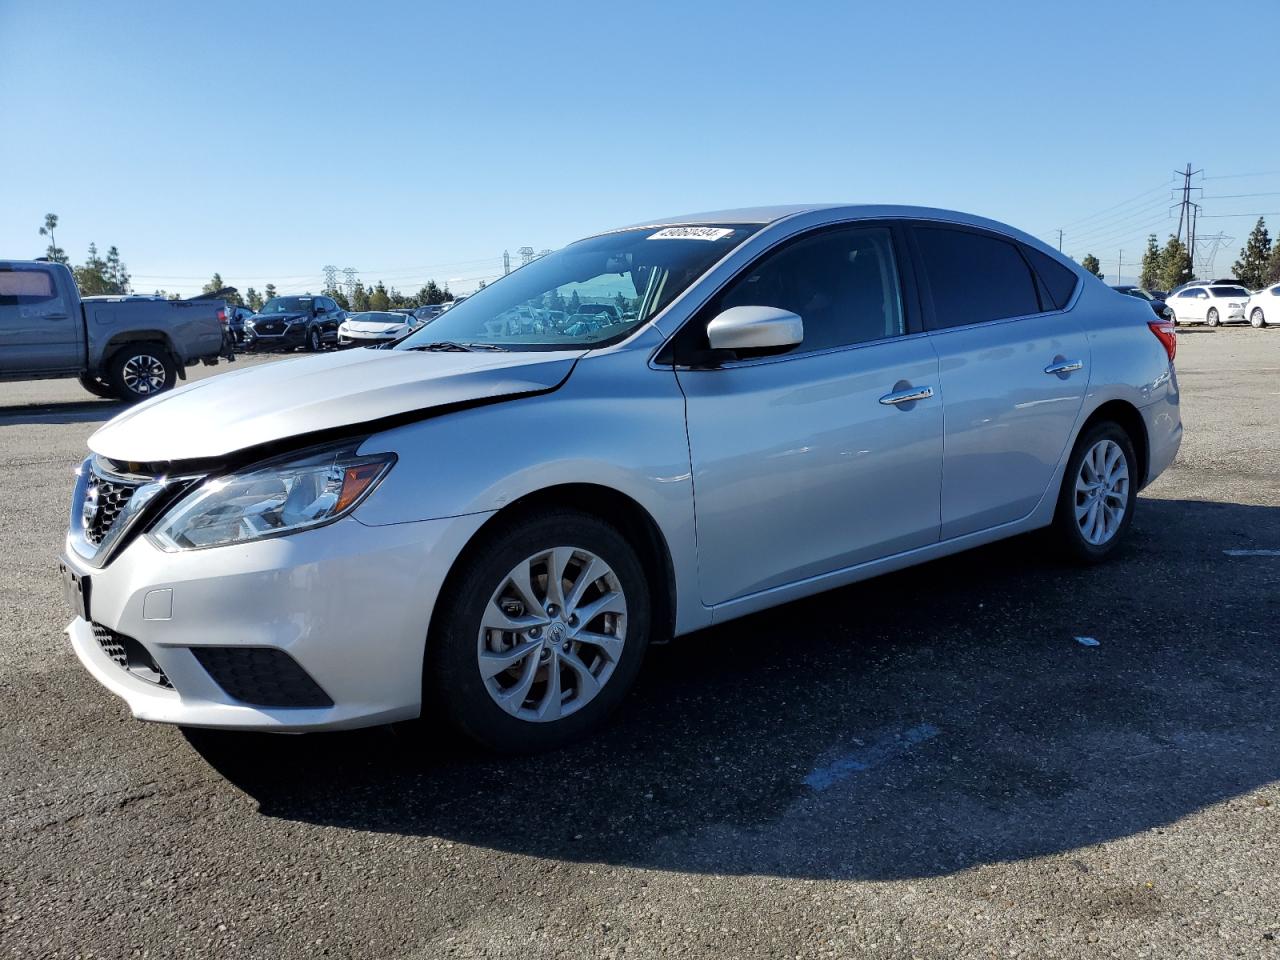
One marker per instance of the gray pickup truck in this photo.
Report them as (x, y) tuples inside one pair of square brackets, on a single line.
[(124, 347)]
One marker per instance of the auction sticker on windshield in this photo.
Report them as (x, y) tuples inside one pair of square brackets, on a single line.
[(691, 233)]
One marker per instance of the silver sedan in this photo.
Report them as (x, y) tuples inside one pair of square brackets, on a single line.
[(492, 520)]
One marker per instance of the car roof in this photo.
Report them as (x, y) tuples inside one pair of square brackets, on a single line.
[(766, 215)]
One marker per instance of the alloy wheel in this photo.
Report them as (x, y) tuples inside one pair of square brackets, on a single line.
[(1212, 318), (552, 634), (1102, 492), (1256, 318), (143, 374)]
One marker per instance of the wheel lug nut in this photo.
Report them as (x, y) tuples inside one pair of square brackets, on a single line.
[(573, 619), (536, 632)]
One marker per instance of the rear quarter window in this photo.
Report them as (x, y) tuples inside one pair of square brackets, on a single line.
[(1059, 280)]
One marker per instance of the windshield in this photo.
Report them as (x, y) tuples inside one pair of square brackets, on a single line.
[(378, 317), (588, 294), (287, 305)]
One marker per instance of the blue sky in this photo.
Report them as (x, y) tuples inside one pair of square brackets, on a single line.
[(415, 140)]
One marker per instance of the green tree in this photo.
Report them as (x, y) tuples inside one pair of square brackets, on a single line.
[(53, 251), (1272, 274), (575, 302), (431, 293), (1175, 264), (1150, 276), (1090, 263), (360, 298), (214, 285), (269, 293), (378, 299), (1251, 268), (98, 276), (253, 300), (341, 299)]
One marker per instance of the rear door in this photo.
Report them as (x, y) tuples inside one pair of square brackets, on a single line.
[(1191, 305), (1013, 368), (41, 329)]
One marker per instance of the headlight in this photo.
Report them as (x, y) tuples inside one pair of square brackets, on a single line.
[(282, 496)]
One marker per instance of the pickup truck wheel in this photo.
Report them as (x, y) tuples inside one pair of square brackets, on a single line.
[(141, 370), (97, 387)]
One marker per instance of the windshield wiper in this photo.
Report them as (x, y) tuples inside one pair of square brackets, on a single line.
[(441, 346), (452, 346)]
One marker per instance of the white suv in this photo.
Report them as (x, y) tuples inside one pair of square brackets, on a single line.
[(1209, 303), (1264, 306)]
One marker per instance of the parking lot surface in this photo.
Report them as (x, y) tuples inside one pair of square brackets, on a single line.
[(931, 764)]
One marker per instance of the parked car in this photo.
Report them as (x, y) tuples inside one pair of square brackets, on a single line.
[(1209, 303), (498, 523), (236, 317), (373, 327), (1157, 304), (1263, 307), (126, 347), (428, 313), (286, 323)]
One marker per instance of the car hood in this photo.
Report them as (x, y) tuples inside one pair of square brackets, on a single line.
[(274, 401)]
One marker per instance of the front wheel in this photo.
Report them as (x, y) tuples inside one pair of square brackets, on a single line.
[(314, 343), (1098, 495), (1257, 319), (1211, 318), (138, 371), (539, 633)]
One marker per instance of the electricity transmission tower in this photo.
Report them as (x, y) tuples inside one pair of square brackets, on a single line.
[(350, 281), (526, 256), (1206, 264), (1187, 210), (330, 278)]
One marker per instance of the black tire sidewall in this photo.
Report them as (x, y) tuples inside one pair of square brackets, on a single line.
[(314, 341), (1064, 524), (115, 375), (97, 386), (452, 686)]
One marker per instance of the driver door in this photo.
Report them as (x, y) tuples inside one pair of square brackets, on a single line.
[(805, 463)]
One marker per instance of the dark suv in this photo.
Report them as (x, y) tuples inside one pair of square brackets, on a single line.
[(284, 323)]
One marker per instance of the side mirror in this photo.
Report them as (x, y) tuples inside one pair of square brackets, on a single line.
[(755, 330)]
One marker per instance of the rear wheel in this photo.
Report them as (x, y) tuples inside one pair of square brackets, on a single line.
[(1098, 495), (540, 632), (1211, 318), (141, 370), (1256, 318), (97, 386)]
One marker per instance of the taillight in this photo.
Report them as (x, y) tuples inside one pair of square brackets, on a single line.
[(1167, 334), (222, 317)]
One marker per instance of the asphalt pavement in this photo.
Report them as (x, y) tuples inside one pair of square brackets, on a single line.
[(931, 764)]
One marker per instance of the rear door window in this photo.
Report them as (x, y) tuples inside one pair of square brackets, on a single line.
[(24, 287), (975, 277), (1058, 280)]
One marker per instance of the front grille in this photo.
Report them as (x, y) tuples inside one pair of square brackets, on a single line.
[(105, 500), (261, 676), (130, 655)]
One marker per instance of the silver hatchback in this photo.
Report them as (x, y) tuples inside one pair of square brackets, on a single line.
[(497, 515)]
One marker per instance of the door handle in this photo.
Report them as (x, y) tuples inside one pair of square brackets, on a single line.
[(1061, 367), (55, 316), (907, 395)]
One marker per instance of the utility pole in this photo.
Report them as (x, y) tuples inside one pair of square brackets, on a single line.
[(506, 262), (1059, 239), (1120, 268)]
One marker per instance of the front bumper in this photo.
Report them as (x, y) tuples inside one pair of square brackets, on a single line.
[(294, 336), (350, 603), (365, 340)]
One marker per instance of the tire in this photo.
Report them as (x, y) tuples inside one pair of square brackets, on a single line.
[(481, 586), (1257, 319), (97, 386), (1069, 527), (1211, 318), (141, 370), (314, 343)]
